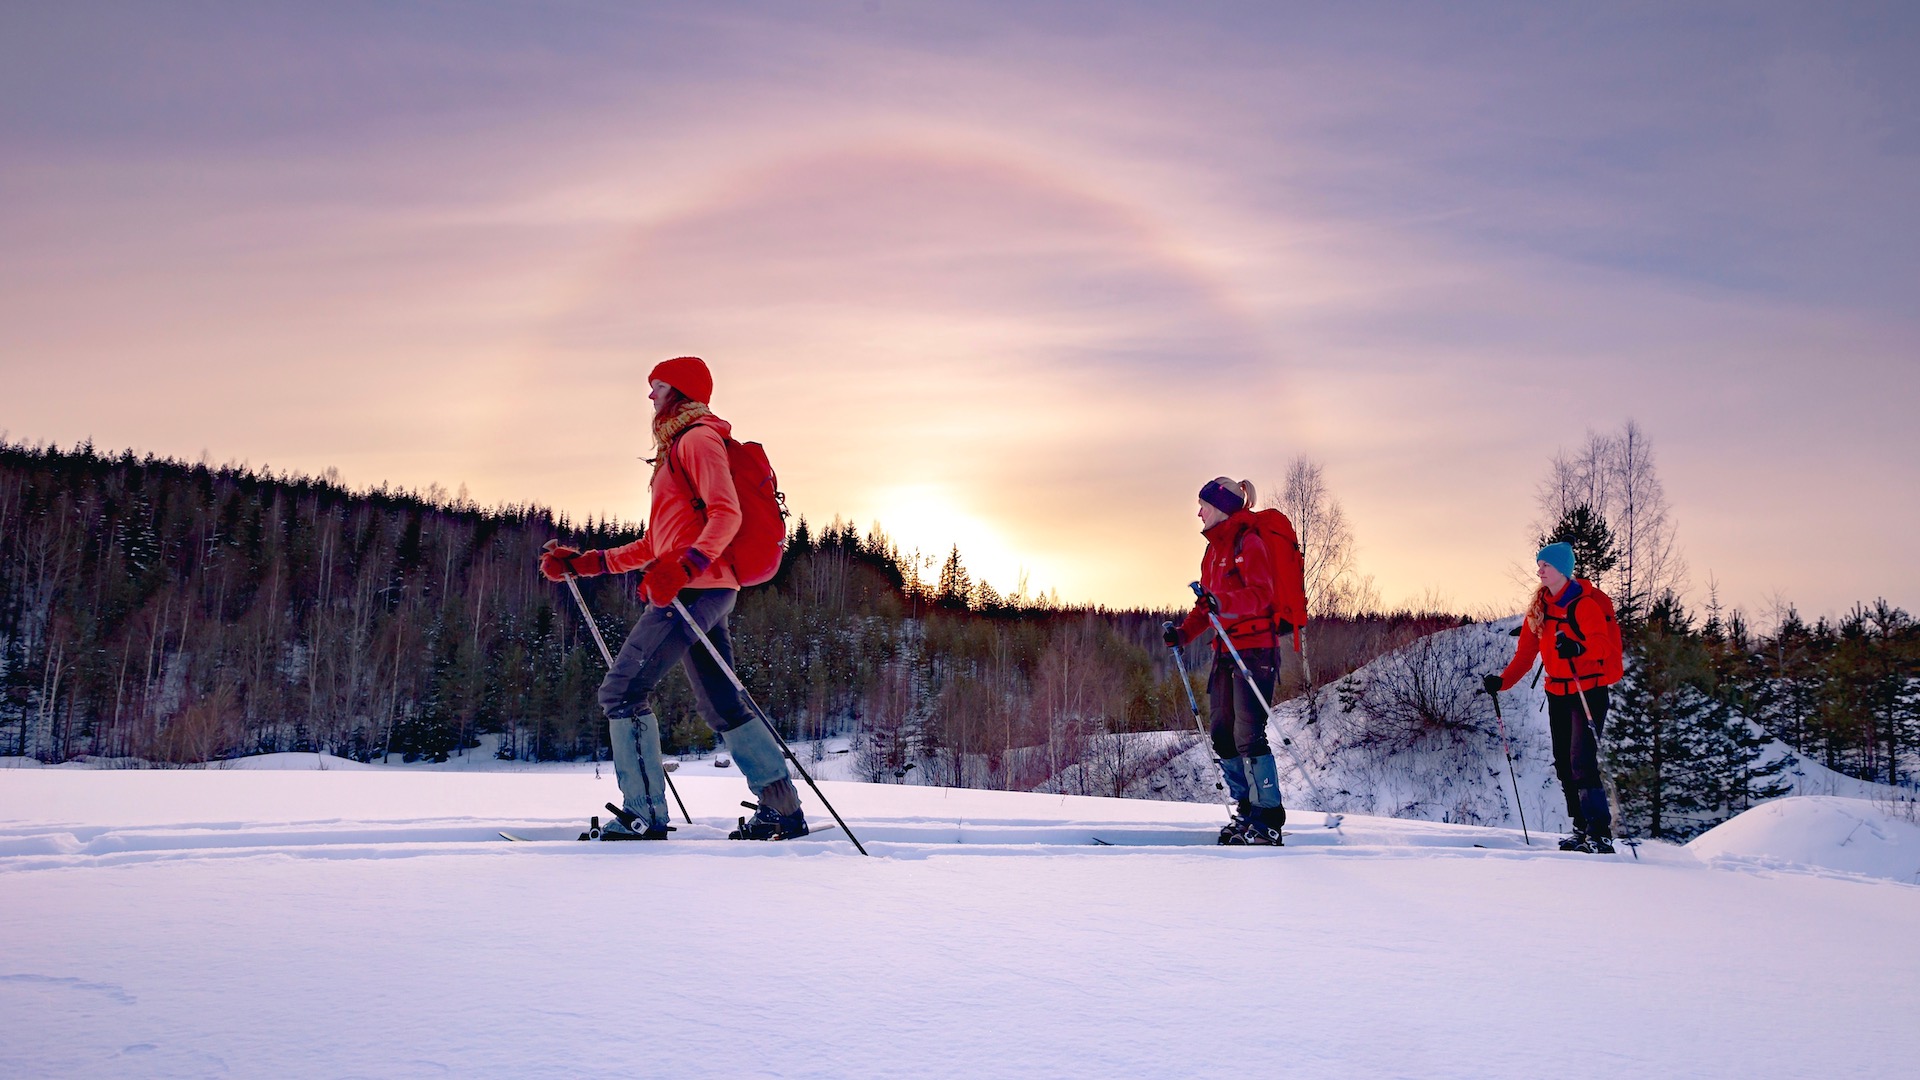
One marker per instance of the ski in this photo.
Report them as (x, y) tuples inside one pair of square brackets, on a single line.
[(811, 833), (1285, 834)]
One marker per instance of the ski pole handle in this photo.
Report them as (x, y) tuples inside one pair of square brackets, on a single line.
[(1201, 594)]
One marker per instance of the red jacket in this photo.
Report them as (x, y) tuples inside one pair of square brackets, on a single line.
[(1236, 569), (698, 469), (1583, 613)]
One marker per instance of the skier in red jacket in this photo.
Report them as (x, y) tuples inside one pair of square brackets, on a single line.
[(1237, 574), (695, 513), (1571, 628)]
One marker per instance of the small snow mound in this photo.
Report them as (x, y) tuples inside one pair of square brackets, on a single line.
[(298, 762), (1855, 836)]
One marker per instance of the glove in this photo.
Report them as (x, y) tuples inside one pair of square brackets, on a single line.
[(670, 573), (559, 563), (1491, 683), (1206, 600), (1567, 647), (1170, 634)]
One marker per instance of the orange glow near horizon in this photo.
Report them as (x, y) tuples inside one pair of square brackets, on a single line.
[(1019, 282)]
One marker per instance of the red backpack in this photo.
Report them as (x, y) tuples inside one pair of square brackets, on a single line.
[(1289, 568), (756, 550), (1603, 658)]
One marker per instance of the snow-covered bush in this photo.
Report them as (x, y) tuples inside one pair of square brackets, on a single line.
[(1424, 689)]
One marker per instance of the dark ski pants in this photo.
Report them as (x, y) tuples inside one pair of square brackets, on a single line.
[(1576, 756), (659, 641), (1239, 726)]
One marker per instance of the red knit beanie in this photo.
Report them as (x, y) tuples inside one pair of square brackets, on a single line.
[(687, 374)]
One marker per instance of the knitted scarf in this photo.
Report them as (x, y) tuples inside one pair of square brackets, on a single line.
[(672, 424)]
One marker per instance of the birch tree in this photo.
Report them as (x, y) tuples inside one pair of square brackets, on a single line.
[(1334, 587), (1615, 476)]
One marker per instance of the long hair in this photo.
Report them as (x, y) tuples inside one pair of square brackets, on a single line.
[(680, 413), (1537, 610)]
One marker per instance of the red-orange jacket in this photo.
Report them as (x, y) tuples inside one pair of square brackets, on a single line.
[(1237, 570), (1585, 614), (698, 470)]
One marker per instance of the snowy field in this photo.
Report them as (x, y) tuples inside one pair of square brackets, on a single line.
[(367, 922)]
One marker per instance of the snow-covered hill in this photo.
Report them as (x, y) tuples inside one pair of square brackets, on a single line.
[(367, 923), (1364, 756)]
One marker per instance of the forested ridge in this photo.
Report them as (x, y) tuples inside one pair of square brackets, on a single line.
[(160, 611)]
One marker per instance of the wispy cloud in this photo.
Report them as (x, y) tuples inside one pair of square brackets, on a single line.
[(1018, 277)]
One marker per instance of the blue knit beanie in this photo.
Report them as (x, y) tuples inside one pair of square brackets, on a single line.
[(1559, 556)]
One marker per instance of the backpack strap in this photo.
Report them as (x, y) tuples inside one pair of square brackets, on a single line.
[(1569, 620), (1573, 622), (699, 504)]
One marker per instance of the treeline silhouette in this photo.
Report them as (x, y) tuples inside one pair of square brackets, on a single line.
[(153, 610)]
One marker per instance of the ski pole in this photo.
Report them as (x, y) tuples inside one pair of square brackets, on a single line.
[(1193, 703), (1221, 632), (761, 713), (1508, 750), (573, 585)]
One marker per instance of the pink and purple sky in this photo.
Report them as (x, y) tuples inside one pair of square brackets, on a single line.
[(1017, 276)]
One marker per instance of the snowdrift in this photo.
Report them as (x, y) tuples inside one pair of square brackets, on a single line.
[(1852, 836)]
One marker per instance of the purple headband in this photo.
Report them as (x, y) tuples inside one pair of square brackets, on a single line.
[(1222, 498)]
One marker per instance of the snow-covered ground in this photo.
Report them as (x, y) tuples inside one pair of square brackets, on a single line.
[(366, 922)]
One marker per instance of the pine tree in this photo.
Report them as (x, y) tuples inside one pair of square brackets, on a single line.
[(956, 585), (1658, 727), (1594, 552), (1785, 692), (1738, 765)]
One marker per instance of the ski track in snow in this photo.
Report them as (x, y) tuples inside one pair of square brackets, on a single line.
[(363, 923)]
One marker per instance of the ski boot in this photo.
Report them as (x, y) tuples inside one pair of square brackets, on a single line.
[(1264, 828), (1600, 840), (1575, 840), (657, 832), (766, 824), (625, 826), (1234, 832)]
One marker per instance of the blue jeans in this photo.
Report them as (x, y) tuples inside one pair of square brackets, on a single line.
[(657, 642)]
